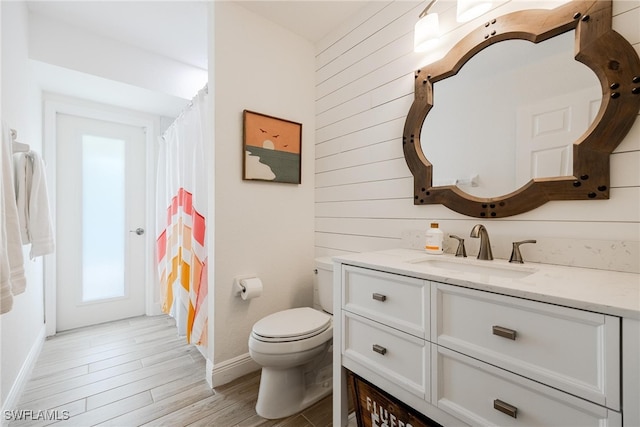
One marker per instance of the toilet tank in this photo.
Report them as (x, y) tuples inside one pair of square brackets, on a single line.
[(324, 283)]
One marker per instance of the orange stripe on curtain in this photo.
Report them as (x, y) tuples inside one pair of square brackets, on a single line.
[(166, 290), (197, 316)]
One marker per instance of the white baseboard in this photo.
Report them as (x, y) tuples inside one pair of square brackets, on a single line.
[(11, 402), (229, 370)]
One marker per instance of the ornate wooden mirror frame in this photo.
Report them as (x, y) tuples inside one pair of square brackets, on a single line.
[(607, 53)]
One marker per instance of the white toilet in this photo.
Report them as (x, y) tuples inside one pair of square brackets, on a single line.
[(294, 348)]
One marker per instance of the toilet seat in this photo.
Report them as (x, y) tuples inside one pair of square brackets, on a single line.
[(291, 325)]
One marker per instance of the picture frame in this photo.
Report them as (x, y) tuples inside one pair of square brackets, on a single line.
[(272, 149)]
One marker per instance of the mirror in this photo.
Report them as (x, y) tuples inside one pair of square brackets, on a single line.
[(578, 169), (489, 134)]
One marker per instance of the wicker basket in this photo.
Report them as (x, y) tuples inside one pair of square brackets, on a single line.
[(375, 408)]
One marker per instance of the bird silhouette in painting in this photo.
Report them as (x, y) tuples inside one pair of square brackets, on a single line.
[(262, 130)]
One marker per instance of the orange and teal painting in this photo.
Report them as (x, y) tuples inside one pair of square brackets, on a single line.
[(272, 148)]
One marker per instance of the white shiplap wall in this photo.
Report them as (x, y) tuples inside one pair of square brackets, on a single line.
[(363, 195)]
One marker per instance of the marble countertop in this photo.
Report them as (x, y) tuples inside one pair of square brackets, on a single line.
[(602, 291)]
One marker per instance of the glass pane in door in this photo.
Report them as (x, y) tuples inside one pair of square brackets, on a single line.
[(103, 218)]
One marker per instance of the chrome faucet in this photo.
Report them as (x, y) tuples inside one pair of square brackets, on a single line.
[(485, 246)]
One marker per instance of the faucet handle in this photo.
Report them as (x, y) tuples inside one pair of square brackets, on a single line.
[(516, 256), (461, 251)]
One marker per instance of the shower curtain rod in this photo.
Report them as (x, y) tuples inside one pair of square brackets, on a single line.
[(205, 90)]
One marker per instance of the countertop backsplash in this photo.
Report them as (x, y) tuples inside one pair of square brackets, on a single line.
[(614, 255)]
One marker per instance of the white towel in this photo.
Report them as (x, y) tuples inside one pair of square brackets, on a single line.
[(22, 168), (12, 278), (32, 199)]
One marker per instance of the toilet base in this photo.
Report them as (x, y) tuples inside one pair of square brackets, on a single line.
[(284, 392)]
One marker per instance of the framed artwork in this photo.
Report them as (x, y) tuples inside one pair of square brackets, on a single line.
[(272, 148)]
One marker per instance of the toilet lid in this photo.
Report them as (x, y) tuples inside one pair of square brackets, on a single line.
[(295, 323)]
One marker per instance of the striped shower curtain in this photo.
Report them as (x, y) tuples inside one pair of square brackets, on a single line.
[(181, 221)]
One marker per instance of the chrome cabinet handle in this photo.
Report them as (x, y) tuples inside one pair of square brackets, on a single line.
[(139, 231), (505, 408), (379, 349), (504, 332), (379, 297)]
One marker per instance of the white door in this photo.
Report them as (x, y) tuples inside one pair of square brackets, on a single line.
[(100, 213), (546, 132)]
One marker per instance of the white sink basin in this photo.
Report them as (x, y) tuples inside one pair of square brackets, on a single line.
[(509, 272)]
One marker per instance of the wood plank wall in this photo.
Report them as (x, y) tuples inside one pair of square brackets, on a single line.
[(363, 188)]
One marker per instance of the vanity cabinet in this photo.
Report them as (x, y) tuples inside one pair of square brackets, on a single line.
[(468, 356)]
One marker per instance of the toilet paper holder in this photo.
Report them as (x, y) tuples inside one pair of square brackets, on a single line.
[(238, 287)]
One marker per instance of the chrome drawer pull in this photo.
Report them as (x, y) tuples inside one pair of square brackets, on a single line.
[(379, 349), (504, 332), (505, 408), (379, 297)]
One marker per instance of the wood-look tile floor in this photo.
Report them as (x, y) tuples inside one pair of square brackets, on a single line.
[(139, 372)]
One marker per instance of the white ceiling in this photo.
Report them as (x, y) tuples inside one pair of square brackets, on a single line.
[(178, 29), (173, 28), (310, 19)]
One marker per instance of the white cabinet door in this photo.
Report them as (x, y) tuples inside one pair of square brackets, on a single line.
[(573, 350), (484, 395)]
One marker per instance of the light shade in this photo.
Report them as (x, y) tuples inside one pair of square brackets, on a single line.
[(470, 9), (426, 32)]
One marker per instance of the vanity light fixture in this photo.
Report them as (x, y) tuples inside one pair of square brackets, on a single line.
[(470, 9), (427, 30)]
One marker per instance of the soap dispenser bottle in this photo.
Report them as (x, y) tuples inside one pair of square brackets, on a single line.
[(434, 239)]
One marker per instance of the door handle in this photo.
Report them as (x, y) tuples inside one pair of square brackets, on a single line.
[(139, 231)]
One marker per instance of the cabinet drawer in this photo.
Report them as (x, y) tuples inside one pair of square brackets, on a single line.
[(399, 357), (398, 301), (573, 350), (475, 392)]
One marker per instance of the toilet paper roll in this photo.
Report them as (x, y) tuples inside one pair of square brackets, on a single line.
[(252, 288)]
